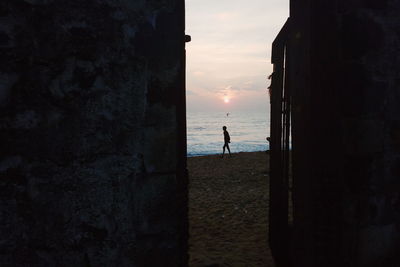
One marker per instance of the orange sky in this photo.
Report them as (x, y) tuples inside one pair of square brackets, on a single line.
[(229, 55)]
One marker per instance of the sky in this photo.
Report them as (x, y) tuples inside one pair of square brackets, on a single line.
[(229, 58)]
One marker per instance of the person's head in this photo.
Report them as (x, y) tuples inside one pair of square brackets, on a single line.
[(224, 128)]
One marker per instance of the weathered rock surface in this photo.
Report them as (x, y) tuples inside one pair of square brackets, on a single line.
[(88, 101), (346, 132)]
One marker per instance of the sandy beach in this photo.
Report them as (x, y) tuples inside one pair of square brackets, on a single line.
[(228, 210)]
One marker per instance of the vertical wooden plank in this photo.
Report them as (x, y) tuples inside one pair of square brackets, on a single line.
[(278, 208)]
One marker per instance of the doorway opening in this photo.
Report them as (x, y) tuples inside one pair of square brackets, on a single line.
[(227, 70)]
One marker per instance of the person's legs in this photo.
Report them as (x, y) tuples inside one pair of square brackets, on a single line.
[(229, 150), (223, 151)]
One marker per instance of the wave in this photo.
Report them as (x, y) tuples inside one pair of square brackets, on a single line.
[(205, 137)]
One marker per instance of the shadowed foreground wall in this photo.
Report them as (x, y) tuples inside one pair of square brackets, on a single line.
[(89, 133), (346, 132)]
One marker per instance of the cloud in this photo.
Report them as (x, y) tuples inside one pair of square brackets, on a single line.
[(226, 91), (231, 49)]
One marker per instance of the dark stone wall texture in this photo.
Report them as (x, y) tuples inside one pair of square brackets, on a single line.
[(346, 132), (370, 111), (88, 133)]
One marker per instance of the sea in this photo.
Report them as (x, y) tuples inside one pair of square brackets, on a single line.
[(248, 132)]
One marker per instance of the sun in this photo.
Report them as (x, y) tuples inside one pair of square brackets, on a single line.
[(226, 99)]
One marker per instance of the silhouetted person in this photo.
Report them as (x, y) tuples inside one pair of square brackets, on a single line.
[(227, 140), (269, 143)]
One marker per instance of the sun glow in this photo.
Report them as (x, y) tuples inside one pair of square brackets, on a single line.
[(226, 99)]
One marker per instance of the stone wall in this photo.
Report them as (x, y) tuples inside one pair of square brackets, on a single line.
[(370, 129), (346, 132), (89, 99)]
